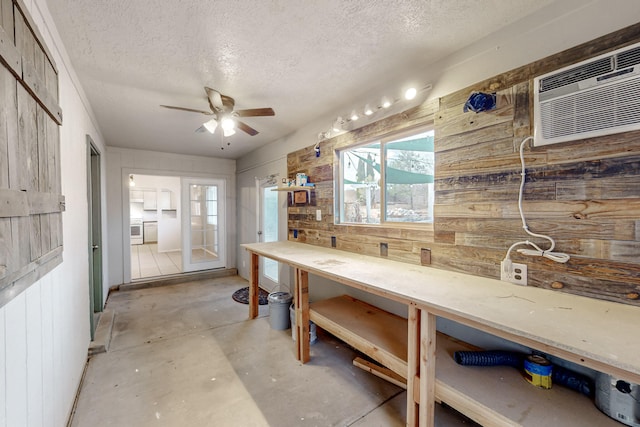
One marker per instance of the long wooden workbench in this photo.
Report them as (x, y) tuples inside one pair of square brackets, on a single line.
[(594, 333)]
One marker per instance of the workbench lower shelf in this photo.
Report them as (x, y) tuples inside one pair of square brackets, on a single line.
[(491, 396)]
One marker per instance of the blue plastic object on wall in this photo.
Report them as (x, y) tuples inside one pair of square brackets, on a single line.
[(480, 101)]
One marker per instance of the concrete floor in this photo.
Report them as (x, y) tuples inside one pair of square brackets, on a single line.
[(186, 355)]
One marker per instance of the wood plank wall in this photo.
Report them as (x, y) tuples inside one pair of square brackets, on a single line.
[(585, 194), (31, 202)]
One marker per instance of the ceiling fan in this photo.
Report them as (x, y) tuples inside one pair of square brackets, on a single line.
[(222, 108)]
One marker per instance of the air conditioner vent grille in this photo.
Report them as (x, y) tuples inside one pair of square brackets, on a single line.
[(628, 58), (577, 74), (605, 107)]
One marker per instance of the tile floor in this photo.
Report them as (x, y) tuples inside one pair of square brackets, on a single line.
[(146, 261), (186, 355)]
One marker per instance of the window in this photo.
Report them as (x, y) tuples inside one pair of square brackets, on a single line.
[(388, 181)]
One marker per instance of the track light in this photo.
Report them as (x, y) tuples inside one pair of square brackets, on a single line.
[(211, 125), (367, 110), (337, 125), (410, 93), (385, 102), (229, 132)]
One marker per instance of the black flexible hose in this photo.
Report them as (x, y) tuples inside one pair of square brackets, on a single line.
[(489, 358)]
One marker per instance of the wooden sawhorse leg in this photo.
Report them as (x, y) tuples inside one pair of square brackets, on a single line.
[(301, 300), (421, 358)]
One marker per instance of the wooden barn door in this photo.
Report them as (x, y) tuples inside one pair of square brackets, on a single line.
[(31, 203)]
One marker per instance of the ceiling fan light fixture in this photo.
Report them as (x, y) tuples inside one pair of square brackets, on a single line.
[(229, 132), (211, 125), (227, 123)]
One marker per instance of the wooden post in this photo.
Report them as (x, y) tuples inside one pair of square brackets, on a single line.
[(413, 366), (427, 368), (302, 315), (253, 285), (421, 366)]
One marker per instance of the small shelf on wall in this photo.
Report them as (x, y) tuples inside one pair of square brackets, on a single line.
[(298, 196), (294, 188)]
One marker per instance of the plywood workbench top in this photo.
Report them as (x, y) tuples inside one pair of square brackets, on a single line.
[(599, 334)]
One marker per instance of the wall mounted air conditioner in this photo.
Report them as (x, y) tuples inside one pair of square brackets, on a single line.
[(596, 97)]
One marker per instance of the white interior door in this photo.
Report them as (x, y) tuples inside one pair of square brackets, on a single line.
[(203, 224), (268, 232)]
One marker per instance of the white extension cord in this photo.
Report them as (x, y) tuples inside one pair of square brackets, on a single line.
[(536, 251)]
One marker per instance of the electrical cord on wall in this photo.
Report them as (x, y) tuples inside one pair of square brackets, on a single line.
[(536, 251)]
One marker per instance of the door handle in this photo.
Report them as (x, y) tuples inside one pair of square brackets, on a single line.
[(259, 233), (94, 247)]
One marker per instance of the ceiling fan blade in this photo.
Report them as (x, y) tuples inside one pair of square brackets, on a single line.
[(255, 112), (215, 99), (246, 128), (193, 110), (201, 129)]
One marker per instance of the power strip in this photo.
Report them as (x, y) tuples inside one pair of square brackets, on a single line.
[(516, 274)]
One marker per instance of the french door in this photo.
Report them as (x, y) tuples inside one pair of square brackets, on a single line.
[(203, 224)]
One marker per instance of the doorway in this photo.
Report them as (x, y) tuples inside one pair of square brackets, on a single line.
[(268, 230), (154, 233), (95, 234), (176, 225)]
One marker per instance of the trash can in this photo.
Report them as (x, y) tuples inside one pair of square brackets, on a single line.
[(313, 337), (279, 303)]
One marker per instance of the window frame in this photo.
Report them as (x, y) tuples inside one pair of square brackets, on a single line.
[(339, 179)]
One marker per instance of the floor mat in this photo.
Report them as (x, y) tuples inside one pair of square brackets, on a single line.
[(242, 296)]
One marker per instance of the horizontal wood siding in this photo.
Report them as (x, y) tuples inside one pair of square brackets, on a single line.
[(31, 202), (585, 194)]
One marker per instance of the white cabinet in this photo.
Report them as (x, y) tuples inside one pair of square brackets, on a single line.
[(167, 200), (150, 200)]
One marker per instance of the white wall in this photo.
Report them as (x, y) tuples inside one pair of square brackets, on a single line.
[(44, 332), (121, 162), (561, 25)]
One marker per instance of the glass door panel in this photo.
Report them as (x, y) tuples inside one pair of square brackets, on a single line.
[(203, 245), (269, 228)]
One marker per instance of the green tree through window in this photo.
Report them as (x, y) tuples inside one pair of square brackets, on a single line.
[(388, 181)]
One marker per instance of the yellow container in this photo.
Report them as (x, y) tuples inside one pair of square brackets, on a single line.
[(537, 371)]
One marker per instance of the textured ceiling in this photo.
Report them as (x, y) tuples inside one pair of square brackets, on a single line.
[(304, 59)]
